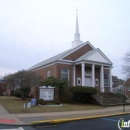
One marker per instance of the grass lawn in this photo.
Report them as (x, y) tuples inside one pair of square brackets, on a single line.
[(15, 105)]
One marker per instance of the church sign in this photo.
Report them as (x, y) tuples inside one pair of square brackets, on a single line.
[(46, 93)]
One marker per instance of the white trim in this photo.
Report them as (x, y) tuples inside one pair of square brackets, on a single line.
[(98, 50), (110, 80), (107, 79), (90, 62), (48, 73), (67, 61), (128, 88), (106, 68), (68, 73), (97, 82), (102, 79), (78, 79), (88, 55), (74, 72), (83, 73), (51, 64), (64, 63), (90, 44), (43, 66), (93, 75), (77, 49)]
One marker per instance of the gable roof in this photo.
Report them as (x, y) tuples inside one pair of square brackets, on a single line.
[(59, 56), (127, 82), (92, 56)]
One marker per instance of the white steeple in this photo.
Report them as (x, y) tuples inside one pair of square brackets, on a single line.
[(76, 41)]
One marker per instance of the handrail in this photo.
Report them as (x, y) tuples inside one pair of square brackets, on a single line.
[(98, 98), (120, 94), (25, 94)]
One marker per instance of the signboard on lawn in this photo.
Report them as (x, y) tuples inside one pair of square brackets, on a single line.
[(46, 93)]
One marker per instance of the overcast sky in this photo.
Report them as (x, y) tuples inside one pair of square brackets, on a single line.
[(34, 30)]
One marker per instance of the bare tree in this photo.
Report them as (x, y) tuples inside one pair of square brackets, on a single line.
[(22, 78), (126, 66)]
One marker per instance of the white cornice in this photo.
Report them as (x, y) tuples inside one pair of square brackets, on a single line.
[(91, 62), (44, 66)]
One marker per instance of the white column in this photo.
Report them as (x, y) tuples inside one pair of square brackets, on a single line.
[(93, 75), (102, 79), (110, 77), (83, 76), (74, 75)]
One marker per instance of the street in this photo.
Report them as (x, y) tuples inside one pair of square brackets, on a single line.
[(107, 123)]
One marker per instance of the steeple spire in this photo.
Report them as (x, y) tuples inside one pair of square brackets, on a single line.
[(77, 24), (76, 41)]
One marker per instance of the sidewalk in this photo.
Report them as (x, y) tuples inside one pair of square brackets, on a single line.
[(26, 119)]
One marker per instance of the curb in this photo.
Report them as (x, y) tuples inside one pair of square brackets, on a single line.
[(58, 121)]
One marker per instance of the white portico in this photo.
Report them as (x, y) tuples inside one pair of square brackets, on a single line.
[(95, 70)]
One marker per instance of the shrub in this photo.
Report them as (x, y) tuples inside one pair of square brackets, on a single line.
[(57, 101), (41, 102), (87, 90), (17, 93), (55, 82), (82, 94)]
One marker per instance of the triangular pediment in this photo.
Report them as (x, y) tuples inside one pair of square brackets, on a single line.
[(97, 56)]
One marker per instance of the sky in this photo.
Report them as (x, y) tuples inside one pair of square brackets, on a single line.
[(34, 30)]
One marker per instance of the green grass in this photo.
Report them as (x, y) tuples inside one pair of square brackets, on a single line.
[(15, 105)]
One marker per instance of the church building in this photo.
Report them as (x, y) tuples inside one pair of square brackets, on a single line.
[(82, 65)]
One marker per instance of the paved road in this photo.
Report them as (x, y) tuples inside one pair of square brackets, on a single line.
[(108, 123)]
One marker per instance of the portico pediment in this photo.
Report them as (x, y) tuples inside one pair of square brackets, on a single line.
[(95, 55)]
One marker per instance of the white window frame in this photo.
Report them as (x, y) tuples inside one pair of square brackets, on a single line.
[(128, 88), (106, 79), (62, 73), (78, 79), (48, 73), (96, 82)]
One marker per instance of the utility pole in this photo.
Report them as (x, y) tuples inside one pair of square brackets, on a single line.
[(124, 89)]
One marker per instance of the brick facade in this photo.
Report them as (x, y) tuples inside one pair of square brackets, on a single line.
[(55, 70), (73, 56), (56, 67), (127, 87)]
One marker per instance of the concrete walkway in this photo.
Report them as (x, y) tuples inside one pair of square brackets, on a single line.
[(3, 111), (24, 119)]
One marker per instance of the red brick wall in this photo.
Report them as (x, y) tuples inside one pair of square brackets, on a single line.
[(55, 70), (97, 76), (127, 84), (65, 66), (107, 89), (78, 74), (73, 56), (43, 71)]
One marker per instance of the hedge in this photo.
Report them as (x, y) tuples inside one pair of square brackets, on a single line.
[(83, 89)]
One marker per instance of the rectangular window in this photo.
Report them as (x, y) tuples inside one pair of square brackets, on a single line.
[(112, 83), (96, 82), (106, 80), (78, 81), (128, 88), (48, 73), (65, 74)]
